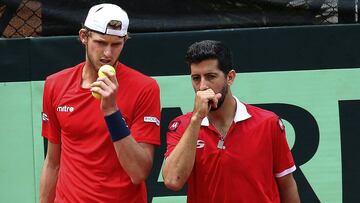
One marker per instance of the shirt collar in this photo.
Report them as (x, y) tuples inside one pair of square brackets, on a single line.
[(240, 114)]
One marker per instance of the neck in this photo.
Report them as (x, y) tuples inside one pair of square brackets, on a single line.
[(224, 116), (89, 75)]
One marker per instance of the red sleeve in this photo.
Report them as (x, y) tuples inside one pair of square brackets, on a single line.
[(146, 125), (283, 159), (175, 131), (50, 124)]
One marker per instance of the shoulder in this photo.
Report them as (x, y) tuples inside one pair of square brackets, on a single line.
[(180, 122), (265, 118), (63, 75), (184, 117), (261, 114), (58, 82), (137, 82), (136, 76)]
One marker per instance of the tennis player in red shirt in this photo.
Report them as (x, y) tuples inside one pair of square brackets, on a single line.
[(99, 150), (226, 150)]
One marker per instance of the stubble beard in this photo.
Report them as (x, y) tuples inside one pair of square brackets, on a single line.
[(89, 58), (223, 92)]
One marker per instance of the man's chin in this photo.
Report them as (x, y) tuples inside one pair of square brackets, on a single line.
[(214, 109)]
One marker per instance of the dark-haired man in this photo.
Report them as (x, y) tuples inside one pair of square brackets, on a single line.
[(226, 150)]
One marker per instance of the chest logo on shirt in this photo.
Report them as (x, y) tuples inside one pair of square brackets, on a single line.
[(174, 125), (65, 109), (200, 144)]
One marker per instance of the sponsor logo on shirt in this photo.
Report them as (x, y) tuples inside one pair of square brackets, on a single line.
[(45, 117), (174, 125), (200, 144), (150, 119), (65, 109)]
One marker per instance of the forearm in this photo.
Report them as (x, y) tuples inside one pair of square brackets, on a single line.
[(290, 195), (135, 159), (180, 162), (48, 182), (288, 189)]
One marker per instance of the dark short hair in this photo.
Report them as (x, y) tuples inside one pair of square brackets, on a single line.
[(210, 49)]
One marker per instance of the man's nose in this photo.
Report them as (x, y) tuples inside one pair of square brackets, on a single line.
[(203, 84), (107, 51)]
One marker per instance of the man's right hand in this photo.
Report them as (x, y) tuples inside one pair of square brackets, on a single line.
[(107, 86), (204, 100)]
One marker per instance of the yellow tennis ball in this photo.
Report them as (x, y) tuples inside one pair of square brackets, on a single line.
[(102, 74), (106, 67), (96, 95)]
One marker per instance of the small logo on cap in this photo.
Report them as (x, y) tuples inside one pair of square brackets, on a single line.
[(115, 24)]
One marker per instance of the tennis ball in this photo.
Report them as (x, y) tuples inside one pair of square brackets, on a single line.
[(102, 74), (106, 67), (96, 95)]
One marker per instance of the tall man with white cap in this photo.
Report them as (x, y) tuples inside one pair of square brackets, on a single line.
[(99, 149)]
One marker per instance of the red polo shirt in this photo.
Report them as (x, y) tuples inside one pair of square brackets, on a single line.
[(89, 167), (255, 152)]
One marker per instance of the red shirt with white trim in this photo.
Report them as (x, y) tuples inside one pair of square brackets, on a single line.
[(89, 168), (254, 153)]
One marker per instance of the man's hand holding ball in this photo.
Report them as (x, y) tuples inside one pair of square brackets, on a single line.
[(105, 69)]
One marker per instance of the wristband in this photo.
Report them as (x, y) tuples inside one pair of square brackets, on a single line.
[(116, 126)]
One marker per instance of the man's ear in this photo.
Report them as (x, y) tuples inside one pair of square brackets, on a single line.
[(231, 77), (83, 36)]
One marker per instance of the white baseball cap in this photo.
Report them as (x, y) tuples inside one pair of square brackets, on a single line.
[(101, 15)]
